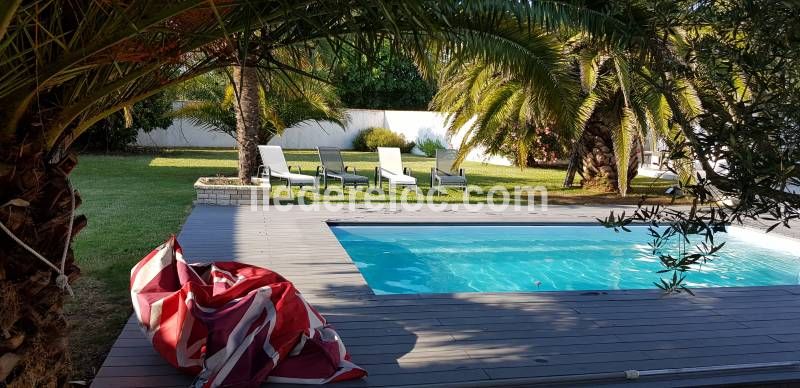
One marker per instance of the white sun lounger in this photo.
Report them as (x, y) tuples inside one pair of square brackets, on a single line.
[(275, 167), (390, 167)]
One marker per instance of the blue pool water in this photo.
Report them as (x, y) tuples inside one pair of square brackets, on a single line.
[(412, 259)]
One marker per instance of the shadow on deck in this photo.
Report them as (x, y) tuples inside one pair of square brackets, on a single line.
[(492, 337)]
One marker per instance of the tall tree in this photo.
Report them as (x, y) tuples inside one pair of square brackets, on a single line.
[(503, 111), (68, 65), (586, 92), (210, 102), (626, 111), (292, 98), (500, 103), (250, 46)]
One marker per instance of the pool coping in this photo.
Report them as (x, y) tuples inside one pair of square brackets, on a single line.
[(461, 223), (340, 222)]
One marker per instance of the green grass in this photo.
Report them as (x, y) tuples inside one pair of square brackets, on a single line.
[(483, 175), (134, 202)]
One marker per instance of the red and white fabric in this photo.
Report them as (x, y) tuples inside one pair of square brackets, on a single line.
[(234, 325)]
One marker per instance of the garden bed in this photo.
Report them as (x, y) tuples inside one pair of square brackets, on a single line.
[(230, 191)]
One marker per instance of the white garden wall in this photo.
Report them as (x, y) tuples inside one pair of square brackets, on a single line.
[(414, 125), (312, 133)]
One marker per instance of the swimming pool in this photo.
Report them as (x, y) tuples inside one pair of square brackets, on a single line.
[(414, 259)]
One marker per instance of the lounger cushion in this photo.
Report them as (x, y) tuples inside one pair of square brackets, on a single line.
[(451, 180), (349, 178), (296, 178), (395, 179)]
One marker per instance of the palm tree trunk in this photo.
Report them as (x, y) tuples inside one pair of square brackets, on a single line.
[(248, 120), (574, 165), (36, 206), (597, 158)]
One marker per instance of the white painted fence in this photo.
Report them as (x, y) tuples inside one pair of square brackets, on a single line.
[(414, 125)]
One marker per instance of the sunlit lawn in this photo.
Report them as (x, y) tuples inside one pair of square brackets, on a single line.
[(134, 202)]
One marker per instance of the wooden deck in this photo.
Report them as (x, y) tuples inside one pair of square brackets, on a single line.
[(484, 339)]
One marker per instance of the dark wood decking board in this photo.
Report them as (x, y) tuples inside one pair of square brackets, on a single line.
[(458, 338)]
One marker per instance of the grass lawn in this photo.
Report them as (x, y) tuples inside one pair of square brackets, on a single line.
[(483, 175), (134, 202)]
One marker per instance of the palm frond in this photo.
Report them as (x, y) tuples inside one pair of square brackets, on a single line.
[(688, 98), (623, 74), (582, 115), (589, 62), (624, 138), (7, 11), (207, 114)]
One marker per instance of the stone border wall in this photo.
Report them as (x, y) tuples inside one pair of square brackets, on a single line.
[(226, 195)]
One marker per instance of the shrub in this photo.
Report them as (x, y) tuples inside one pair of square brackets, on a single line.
[(112, 133), (372, 138), (388, 81), (545, 147), (428, 146)]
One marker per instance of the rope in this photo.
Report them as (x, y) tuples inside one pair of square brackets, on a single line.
[(62, 280)]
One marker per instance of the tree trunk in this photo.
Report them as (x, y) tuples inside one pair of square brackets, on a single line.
[(598, 160), (35, 205), (574, 164), (248, 120)]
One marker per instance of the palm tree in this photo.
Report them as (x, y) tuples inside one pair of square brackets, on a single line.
[(248, 118), (590, 96), (509, 106), (502, 110), (293, 98), (65, 65), (626, 108)]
